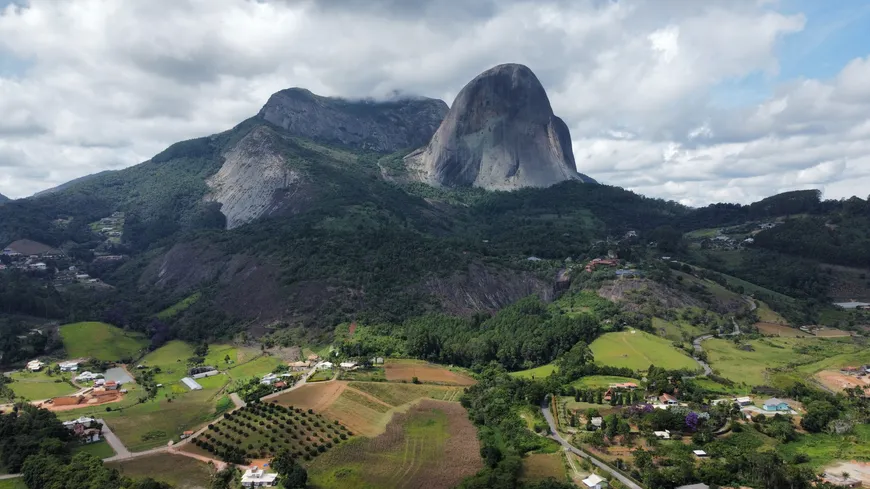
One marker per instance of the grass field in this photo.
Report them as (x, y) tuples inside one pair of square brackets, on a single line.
[(779, 329), (263, 430), (602, 381), (824, 448), (433, 445), (322, 376), (638, 350), (38, 385), (768, 315), (540, 466), (12, 484), (179, 307), (100, 341), (180, 471), (256, 367), (679, 330), (100, 449), (407, 370), (541, 372), (750, 367)]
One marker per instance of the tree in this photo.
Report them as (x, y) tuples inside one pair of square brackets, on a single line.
[(819, 414), (293, 475)]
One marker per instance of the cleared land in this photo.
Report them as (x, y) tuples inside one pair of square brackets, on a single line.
[(778, 329), (260, 431), (540, 466), (180, 471), (768, 315), (541, 372), (100, 341), (407, 370), (180, 306), (433, 445), (638, 350), (678, 330), (824, 448), (256, 367), (602, 381), (39, 385), (838, 381)]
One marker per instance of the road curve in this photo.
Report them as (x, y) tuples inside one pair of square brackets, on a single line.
[(554, 434)]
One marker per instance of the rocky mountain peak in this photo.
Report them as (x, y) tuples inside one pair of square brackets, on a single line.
[(500, 134), (382, 126)]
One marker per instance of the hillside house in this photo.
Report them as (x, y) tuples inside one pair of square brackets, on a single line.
[(86, 430), (35, 365), (299, 366), (774, 404), (71, 366), (595, 481), (668, 400), (601, 262), (255, 477)]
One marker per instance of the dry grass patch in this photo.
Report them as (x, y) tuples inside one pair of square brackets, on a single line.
[(318, 396), (775, 329), (398, 394), (540, 466), (433, 445), (180, 471), (407, 370)]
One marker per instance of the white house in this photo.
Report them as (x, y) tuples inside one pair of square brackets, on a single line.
[(595, 481), (664, 435), (347, 365), (35, 365), (39, 266), (269, 378), (743, 401), (82, 420), (70, 366), (324, 365), (255, 477)]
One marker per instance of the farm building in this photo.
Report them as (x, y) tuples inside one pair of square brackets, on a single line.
[(194, 371), (774, 404), (205, 374), (255, 477), (347, 365), (299, 366), (595, 481), (191, 384), (35, 365), (324, 365), (70, 366)]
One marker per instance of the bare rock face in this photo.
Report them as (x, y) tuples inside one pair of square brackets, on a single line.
[(500, 134), (384, 127), (254, 180)]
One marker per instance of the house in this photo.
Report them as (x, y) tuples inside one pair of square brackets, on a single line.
[(99, 382), (377, 361), (89, 376), (38, 266), (597, 421), (663, 435), (70, 366), (596, 262), (595, 481), (668, 400), (841, 480), (299, 366), (743, 401), (112, 385), (85, 429), (255, 477), (186, 434), (699, 485), (608, 395), (347, 365), (324, 365), (280, 385), (774, 404), (35, 365), (700, 453), (268, 379), (191, 384)]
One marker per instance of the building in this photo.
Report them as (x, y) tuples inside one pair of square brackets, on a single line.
[(597, 421), (269, 379), (347, 365), (595, 481), (668, 400), (299, 366), (700, 453), (840, 481), (280, 385), (88, 376), (699, 485), (112, 385), (205, 374), (596, 262), (35, 365), (71, 366), (191, 384), (853, 305), (255, 477), (324, 365), (186, 434), (87, 430), (743, 401), (774, 404), (663, 435), (377, 361)]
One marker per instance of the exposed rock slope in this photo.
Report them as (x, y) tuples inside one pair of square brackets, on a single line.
[(375, 126), (500, 134)]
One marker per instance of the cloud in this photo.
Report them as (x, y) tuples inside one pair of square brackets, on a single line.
[(103, 84)]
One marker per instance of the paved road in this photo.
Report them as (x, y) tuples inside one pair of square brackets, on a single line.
[(121, 451), (696, 344), (554, 434), (238, 401)]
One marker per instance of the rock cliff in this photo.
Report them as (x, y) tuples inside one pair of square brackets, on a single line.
[(500, 134), (384, 127)]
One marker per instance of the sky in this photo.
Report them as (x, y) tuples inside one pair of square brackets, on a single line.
[(686, 100)]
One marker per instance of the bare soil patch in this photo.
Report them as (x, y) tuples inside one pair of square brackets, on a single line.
[(406, 370), (775, 329), (318, 396), (832, 333), (837, 381), (858, 470)]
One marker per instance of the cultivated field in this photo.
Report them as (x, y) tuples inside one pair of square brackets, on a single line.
[(100, 341), (407, 370), (261, 431), (602, 381), (39, 385), (364, 407), (541, 372), (180, 471), (433, 445), (638, 350), (778, 329), (541, 466)]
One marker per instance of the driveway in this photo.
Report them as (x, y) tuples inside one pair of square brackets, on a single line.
[(554, 434)]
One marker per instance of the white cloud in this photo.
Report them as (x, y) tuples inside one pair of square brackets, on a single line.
[(111, 83)]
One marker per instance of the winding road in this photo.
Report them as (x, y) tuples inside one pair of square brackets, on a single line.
[(554, 434), (696, 343)]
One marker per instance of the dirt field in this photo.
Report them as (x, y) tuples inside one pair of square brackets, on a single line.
[(832, 333), (837, 381), (539, 466), (406, 370), (774, 329), (433, 445), (858, 470), (318, 396)]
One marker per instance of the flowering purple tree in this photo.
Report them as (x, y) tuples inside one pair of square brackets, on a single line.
[(692, 421)]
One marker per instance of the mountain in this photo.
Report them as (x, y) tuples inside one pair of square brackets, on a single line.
[(500, 134), (3, 198), (70, 183), (369, 125)]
